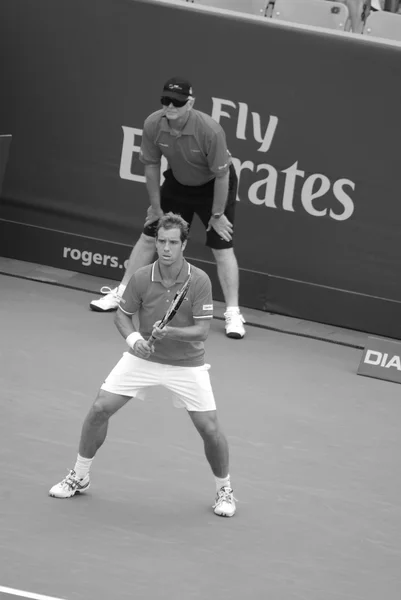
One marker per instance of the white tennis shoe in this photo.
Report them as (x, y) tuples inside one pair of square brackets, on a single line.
[(70, 486), (224, 505), (106, 303), (234, 324)]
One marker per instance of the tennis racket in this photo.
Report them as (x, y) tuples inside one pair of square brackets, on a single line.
[(173, 308)]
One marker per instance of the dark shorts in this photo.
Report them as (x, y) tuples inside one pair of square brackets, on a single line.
[(187, 201)]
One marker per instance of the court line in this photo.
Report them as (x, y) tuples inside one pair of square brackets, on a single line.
[(20, 593), (249, 322)]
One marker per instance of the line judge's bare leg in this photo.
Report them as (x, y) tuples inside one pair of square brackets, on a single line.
[(141, 255), (228, 273)]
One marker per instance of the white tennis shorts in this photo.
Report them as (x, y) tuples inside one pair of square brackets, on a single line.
[(188, 387)]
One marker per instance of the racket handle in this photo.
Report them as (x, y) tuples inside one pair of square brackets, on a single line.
[(151, 341)]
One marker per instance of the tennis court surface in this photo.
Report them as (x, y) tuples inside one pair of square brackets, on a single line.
[(315, 462)]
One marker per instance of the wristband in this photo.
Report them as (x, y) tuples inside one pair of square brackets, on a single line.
[(132, 338)]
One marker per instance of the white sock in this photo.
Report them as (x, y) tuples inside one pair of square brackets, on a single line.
[(82, 466), (222, 482), (234, 309), (121, 289)]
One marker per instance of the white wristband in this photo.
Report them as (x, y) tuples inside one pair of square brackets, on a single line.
[(132, 338)]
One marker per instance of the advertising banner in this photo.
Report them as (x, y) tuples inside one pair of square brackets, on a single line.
[(312, 121), (381, 359)]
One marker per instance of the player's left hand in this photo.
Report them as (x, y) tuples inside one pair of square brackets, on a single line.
[(142, 349), (157, 332), (223, 227)]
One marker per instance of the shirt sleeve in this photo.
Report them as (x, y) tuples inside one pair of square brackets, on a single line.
[(218, 157), (202, 303), (150, 153), (130, 301)]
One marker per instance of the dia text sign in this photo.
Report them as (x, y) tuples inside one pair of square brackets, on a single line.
[(381, 358)]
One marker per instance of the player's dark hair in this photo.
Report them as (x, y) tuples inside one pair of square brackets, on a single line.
[(173, 221)]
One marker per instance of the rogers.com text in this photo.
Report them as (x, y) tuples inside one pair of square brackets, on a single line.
[(87, 258)]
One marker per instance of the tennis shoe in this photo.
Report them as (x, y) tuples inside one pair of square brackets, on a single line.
[(234, 325), (224, 505), (108, 302), (70, 486)]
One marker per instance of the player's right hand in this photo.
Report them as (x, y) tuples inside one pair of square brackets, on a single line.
[(153, 215), (142, 349), (159, 332)]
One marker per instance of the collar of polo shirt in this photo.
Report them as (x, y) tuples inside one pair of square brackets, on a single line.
[(182, 275), (188, 129)]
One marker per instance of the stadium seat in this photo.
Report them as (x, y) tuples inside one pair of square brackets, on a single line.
[(252, 7), (384, 24), (331, 15)]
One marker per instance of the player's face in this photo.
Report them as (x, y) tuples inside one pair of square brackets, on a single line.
[(169, 246)]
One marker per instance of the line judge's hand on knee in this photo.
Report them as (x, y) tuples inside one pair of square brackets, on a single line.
[(222, 226), (153, 215)]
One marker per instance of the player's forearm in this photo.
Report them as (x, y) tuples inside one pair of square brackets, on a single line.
[(152, 175), (220, 193), (193, 333), (124, 323)]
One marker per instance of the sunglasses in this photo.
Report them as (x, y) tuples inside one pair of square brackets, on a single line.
[(166, 101)]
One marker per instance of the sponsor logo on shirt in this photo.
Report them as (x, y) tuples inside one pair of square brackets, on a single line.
[(207, 307)]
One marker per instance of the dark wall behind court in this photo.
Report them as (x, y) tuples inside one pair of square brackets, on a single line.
[(312, 121)]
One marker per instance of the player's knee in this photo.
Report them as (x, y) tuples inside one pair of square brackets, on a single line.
[(208, 428), (100, 411)]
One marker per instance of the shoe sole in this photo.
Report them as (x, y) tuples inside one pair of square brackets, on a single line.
[(235, 336), (85, 489), (224, 515), (97, 309)]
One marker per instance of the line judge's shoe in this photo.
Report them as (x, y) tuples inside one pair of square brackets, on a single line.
[(234, 325), (70, 486), (108, 302), (224, 505)]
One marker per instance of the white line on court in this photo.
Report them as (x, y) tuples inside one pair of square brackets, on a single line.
[(12, 592)]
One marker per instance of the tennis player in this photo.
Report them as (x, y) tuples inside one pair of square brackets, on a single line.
[(200, 179), (176, 361)]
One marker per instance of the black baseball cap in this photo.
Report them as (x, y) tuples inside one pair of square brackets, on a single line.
[(177, 88)]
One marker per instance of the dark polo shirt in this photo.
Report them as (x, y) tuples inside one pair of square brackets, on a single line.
[(196, 155), (147, 295)]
